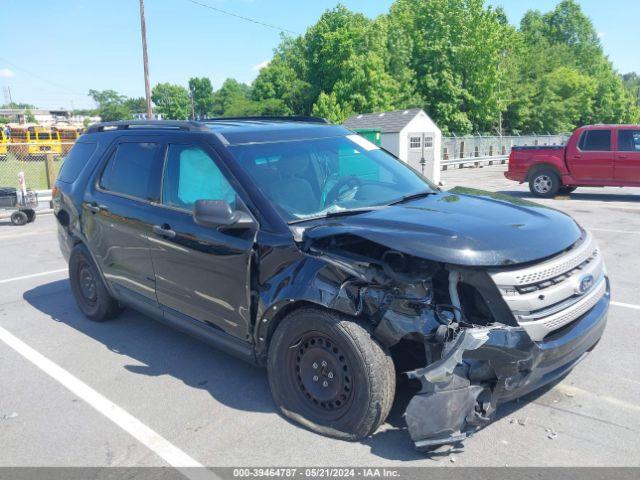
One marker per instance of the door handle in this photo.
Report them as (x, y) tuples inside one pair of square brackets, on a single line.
[(622, 156), (93, 208), (577, 156), (164, 231)]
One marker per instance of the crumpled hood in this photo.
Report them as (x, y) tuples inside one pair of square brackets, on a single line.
[(463, 227)]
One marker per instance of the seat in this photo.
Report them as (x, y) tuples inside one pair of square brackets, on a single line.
[(291, 191)]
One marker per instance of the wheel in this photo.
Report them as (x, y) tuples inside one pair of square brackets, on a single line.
[(567, 190), (19, 218), (327, 373), (31, 215), (88, 289), (544, 183)]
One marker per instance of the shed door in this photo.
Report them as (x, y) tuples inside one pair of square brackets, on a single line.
[(419, 147)]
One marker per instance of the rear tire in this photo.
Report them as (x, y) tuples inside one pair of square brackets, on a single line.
[(544, 183), (328, 374), (89, 291), (31, 216), (567, 190), (19, 218)]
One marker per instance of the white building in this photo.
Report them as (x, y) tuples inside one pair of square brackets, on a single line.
[(410, 134)]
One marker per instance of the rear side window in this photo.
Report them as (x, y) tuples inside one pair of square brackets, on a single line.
[(596, 141), (629, 140), (76, 160), (130, 170)]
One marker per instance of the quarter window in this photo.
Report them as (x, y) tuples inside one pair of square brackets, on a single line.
[(191, 174), (629, 140), (597, 141), (130, 170), (415, 142)]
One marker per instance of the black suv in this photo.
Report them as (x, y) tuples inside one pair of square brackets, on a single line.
[(305, 248)]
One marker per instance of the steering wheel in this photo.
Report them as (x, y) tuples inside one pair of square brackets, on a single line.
[(334, 194)]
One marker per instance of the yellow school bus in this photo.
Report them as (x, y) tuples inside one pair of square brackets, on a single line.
[(68, 135), (3, 143), (34, 140)]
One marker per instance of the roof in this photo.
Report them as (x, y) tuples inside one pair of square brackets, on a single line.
[(233, 131), (387, 122)]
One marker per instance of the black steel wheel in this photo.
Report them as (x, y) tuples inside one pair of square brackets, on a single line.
[(322, 373), (89, 291), (327, 373), (19, 218)]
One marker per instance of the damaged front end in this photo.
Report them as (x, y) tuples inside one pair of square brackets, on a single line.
[(451, 328)]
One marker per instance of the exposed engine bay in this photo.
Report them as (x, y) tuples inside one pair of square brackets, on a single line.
[(450, 328)]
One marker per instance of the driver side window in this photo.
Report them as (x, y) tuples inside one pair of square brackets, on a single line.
[(191, 174)]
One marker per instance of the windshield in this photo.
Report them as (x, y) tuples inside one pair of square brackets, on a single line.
[(314, 177)]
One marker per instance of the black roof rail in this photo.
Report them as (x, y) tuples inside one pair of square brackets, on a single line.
[(278, 118), (185, 125)]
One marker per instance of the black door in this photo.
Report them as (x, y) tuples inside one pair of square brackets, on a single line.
[(202, 272), (117, 211)]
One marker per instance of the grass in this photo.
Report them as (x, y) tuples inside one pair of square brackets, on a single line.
[(34, 171)]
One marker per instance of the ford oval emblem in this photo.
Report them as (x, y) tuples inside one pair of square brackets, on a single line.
[(586, 283)]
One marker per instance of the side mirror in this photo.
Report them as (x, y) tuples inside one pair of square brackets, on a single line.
[(218, 213)]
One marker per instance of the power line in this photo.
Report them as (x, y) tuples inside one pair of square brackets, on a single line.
[(252, 20), (42, 79)]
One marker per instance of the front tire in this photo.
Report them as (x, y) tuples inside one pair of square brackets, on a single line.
[(328, 374), (567, 190), (544, 183), (89, 291)]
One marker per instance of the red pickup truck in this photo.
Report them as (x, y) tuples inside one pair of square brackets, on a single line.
[(594, 156)]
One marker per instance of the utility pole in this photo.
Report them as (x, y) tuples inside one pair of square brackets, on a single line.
[(145, 60)]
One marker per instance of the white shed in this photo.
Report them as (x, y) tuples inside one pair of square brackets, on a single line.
[(410, 134)]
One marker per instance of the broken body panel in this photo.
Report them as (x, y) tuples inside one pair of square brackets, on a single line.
[(420, 276)]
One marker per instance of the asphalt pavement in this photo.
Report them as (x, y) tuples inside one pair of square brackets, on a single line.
[(133, 392)]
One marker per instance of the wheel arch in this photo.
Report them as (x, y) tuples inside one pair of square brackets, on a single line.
[(543, 166)]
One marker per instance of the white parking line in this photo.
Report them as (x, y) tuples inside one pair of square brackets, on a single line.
[(134, 427), (33, 275), (613, 231), (626, 305)]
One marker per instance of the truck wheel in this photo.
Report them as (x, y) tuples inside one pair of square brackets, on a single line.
[(544, 183), (88, 289), (567, 190), (328, 374), (19, 218), (31, 215)]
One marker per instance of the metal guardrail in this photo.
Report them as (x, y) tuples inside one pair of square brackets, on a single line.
[(475, 161)]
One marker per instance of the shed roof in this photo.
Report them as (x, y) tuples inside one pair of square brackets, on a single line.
[(387, 122)]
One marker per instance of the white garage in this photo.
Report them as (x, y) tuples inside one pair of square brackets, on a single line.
[(409, 134)]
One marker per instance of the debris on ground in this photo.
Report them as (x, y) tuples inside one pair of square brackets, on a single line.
[(551, 434), (570, 395), (7, 416), (452, 459), (523, 421)]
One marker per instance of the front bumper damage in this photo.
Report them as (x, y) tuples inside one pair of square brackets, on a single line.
[(485, 366)]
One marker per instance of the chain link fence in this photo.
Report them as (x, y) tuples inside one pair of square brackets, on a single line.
[(454, 148), (39, 163)]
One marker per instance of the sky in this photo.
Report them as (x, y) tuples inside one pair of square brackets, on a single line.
[(53, 52)]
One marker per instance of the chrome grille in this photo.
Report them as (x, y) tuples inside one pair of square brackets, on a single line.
[(556, 299)]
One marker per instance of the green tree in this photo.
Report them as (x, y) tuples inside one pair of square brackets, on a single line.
[(454, 49), (136, 105), (327, 107), (111, 105), (232, 98), (172, 101), (29, 116), (201, 92)]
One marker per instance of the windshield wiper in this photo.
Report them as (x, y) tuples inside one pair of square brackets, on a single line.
[(413, 196), (340, 213)]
